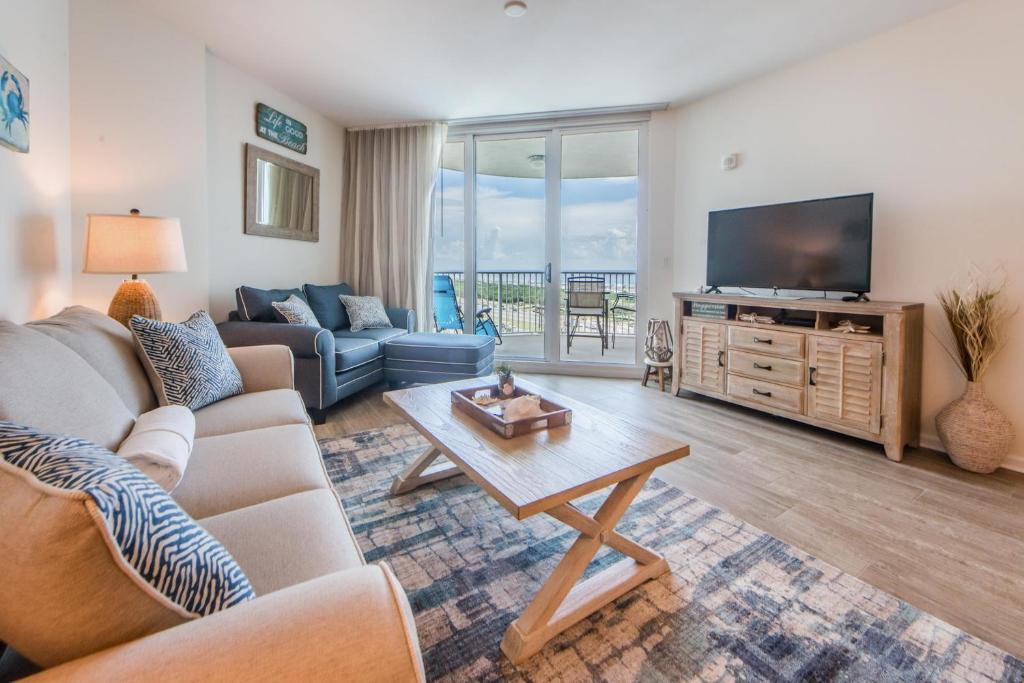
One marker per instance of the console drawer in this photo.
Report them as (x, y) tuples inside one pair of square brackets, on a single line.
[(766, 393), (775, 342), (767, 367)]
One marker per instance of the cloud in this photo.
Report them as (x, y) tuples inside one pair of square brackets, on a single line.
[(596, 235)]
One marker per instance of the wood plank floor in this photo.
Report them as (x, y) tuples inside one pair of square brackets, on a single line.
[(945, 540)]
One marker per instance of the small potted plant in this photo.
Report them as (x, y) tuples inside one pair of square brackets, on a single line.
[(506, 382), (976, 434)]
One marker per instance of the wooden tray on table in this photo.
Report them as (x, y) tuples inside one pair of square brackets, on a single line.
[(492, 416)]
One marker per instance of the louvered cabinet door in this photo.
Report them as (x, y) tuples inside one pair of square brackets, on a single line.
[(704, 355), (845, 382)]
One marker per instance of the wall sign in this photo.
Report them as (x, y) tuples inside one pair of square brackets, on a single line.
[(13, 108), (274, 126)]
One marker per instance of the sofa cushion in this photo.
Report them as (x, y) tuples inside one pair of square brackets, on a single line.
[(160, 444), (57, 390), (326, 305), (295, 311), (484, 366), (288, 540), (254, 304), (351, 381), (187, 362), (350, 352), (463, 349), (108, 347), (95, 553), (232, 471), (379, 334), (251, 411)]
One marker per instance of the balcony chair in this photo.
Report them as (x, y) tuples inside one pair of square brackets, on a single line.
[(448, 312), (586, 297), (625, 302)]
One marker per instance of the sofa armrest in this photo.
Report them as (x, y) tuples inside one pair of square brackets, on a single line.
[(264, 367), (353, 625), (402, 318), (312, 347), (305, 342)]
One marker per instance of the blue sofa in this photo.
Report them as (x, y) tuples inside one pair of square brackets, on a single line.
[(332, 361)]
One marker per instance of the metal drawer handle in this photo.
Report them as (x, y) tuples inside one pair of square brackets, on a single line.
[(720, 363), (758, 366), (758, 340), (766, 394)]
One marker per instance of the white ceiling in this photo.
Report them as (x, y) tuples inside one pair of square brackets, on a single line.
[(378, 61)]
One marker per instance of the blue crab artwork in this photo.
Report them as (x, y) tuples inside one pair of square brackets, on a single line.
[(13, 107)]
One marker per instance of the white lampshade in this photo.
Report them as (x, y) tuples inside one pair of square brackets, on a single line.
[(134, 244)]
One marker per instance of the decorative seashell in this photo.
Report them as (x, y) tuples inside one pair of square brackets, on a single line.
[(522, 408)]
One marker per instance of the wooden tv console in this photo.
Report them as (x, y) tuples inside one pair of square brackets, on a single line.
[(864, 385)]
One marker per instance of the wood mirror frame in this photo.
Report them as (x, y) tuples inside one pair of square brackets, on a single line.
[(253, 226)]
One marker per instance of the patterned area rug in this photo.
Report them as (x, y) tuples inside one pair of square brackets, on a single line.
[(738, 604)]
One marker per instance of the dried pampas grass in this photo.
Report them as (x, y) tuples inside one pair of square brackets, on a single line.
[(977, 317)]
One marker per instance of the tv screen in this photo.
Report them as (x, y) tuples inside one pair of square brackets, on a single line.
[(821, 244)]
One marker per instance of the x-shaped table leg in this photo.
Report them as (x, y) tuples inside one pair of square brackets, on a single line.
[(560, 603), (420, 472)]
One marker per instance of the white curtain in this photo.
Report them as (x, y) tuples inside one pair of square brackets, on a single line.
[(389, 179)]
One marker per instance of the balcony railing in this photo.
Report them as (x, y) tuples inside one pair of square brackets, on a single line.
[(516, 299)]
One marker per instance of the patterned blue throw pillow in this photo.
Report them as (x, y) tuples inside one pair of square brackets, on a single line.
[(155, 537), (365, 312), (187, 362), (296, 311)]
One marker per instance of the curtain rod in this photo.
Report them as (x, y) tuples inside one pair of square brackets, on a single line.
[(381, 126), (532, 116), (560, 114)]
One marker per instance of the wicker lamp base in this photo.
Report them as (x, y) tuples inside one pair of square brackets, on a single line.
[(134, 297)]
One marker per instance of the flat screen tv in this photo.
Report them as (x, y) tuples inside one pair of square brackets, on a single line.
[(821, 244)]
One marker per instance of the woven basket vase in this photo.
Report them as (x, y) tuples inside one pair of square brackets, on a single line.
[(976, 434)]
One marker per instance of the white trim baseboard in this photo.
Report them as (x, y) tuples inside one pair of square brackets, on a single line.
[(1015, 463)]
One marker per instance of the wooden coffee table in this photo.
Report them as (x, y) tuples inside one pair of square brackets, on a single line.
[(544, 472)]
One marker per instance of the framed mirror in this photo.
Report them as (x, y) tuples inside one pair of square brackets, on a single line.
[(282, 196)]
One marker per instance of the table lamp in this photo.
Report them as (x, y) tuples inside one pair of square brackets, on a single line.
[(131, 245)]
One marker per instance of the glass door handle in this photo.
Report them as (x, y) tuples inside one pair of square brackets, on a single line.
[(548, 273)]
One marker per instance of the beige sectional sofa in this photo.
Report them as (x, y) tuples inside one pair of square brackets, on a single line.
[(255, 480)]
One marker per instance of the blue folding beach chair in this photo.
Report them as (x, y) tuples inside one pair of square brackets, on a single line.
[(448, 313)]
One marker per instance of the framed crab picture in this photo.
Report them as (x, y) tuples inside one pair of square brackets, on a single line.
[(13, 107)]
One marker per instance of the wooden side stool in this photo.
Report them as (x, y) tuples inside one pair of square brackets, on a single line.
[(663, 369)]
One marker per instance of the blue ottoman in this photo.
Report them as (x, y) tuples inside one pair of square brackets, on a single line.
[(428, 358)]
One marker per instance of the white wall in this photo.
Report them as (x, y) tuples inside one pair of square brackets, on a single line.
[(927, 116), (35, 210), (138, 140), (160, 124), (238, 258)]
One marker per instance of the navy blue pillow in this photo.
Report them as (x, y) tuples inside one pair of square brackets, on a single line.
[(326, 305), (255, 304)]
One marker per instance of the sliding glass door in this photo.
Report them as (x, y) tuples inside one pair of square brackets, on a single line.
[(547, 226), (599, 211), (511, 240)]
